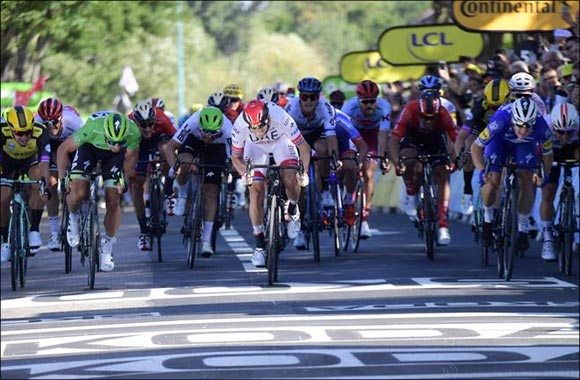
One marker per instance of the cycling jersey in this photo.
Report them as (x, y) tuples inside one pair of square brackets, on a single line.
[(38, 145), (93, 133), (71, 122), (192, 127), (478, 118), (346, 134), (281, 124), (410, 123), (501, 126), (323, 117), (380, 118), (163, 125)]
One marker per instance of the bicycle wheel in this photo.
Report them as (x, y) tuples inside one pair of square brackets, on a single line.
[(14, 237), (336, 219), (499, 238), (92, 247), (229, 209), (568, 235), (194, 238), (359, 207), (314, 225), (272, 244), (24, 250), (429, 221), (510, 245), (65, 247), (155, 219)]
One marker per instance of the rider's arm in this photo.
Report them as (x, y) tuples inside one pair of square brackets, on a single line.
[(304, 149), (169, 149), (384, 126), (62, 160), (382, 142), (131, 157)]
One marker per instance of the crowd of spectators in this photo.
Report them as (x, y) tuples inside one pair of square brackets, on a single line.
[(554, 65)]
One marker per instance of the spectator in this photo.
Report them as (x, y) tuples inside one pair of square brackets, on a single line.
[(552, 59), (571, 49), (518, 67)]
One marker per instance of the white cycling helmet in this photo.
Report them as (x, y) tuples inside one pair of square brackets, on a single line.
[(144, 113), (524, 111), (522, 83), (217, 99), (564, 117), (268, 93)]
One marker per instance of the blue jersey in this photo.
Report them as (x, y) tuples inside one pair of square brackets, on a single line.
[(501, 126), (345, 130)]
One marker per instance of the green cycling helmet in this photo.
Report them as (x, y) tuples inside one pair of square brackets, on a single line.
[(211, 120), (116, 127)]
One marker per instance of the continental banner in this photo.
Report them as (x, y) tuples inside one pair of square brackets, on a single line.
[(360, 65), (512, 16), (422, 44)]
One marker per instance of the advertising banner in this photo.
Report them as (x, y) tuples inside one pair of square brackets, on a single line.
[(421, 44), (360, 65), (9, 91), (512, 16)]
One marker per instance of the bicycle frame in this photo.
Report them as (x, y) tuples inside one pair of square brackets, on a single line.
[(567, 225), (90, 229)]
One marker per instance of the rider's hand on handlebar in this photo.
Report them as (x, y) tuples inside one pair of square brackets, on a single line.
[(385, 166), (247, 178)]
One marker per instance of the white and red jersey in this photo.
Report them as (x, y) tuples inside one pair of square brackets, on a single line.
[(281, 124)]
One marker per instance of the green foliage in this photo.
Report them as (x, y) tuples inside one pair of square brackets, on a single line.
[(83, 45)]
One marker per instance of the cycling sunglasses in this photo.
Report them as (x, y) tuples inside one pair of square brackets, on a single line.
[(368, 101), (121, 143), (20, 134), (305, 96)]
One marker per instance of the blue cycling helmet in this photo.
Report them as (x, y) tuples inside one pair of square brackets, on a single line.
[(309, 84), (429, 82)]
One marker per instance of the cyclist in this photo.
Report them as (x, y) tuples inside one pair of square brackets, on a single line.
[(113, 139), (207, 134), (523, 84), (269, 94), (61, 121), (496, 92), (159, 103), (234, 95), (193, 109), (315, 118), (563, 121), (337, 99), (265, 128), (513, 131), (427, 124), (350, 142), (25, 148), (281, 89), (156, 129), (372, 117)]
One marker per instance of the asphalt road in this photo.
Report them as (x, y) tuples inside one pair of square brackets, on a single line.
[(384, 312)]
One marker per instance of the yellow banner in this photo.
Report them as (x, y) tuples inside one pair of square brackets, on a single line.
[(420, 44), (360, 65), (512, 16)]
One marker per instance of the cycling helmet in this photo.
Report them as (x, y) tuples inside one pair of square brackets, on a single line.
[(367, 89), (268, 93), (233, 91), (116, 127), (281, 88), (564, 117), (496, 92), (211, 120), (256, 114), (309, 84), (158, 102), (524, 112), (50, 109), (217, 99), (143, 113), (195, 107), (522, 83), (337, 96), (429, 82), (20, 119), (429, 105)]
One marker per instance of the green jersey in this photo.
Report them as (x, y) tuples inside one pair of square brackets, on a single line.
[(93, 132)]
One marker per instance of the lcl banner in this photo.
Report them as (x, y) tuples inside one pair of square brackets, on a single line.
[(423, 44), (360, 65), (512, 16)]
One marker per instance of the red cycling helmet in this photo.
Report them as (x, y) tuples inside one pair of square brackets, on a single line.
[(429, 105), (256, 114), (367, 89), (50, 109)]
